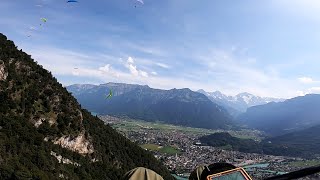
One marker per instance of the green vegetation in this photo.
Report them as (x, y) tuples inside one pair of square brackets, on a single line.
[(136, 125), (166, 149), (226, 141), (152, 147), (302, 164), (169, 150), (299, 144), (29, 94)]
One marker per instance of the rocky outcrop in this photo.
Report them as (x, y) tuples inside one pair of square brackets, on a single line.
[(39, 122), (78, 144), (3, 73), (63, 160)]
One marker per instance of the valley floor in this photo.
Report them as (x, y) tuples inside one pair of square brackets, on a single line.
[(179, 148)]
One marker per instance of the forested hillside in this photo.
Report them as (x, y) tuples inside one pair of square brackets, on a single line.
[(45, 134), (305, 143)]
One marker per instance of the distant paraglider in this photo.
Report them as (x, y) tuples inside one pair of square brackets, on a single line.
[(44, 20), (140, 1), (72, 1), (109, 95)]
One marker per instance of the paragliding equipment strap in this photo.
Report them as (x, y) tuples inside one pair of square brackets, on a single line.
[(297, 174), (223, 170), (237, 173)]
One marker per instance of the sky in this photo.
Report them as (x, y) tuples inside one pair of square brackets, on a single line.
[(268, 48)]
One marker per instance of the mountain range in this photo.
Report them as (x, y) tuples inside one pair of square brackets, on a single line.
[(239, 103), (284, 117), (175, 106), (45, 134)]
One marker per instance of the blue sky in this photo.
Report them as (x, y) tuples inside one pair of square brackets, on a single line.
[(268, 48)]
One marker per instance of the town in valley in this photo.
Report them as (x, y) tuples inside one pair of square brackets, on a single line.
[(181, 151)]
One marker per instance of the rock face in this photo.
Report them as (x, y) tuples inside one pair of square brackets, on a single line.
[(3, 73), (78, 144), (63, 160), (36, 112)]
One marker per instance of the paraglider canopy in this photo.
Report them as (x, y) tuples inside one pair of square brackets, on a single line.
[(70, 1), (110, 94), (140, 1), (43, 19)]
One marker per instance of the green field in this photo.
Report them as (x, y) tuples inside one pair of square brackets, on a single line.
[(136, 125), (305, 163), (169, 150), (166, 149), (152, 147)]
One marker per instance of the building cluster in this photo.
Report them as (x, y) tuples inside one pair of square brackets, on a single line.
[(192, 153)]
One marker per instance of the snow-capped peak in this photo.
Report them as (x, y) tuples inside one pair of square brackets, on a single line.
[(240, 101)]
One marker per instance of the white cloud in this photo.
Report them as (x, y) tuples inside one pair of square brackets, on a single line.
[(134, 70), (75, 73), (143, 73), (306, 80), (301, 8), (228, 74), (130, 60), (312, 90), (163, 65), (105, 68), (146, 48)]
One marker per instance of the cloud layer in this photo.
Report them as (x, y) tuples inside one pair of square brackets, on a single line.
[(248, 46)]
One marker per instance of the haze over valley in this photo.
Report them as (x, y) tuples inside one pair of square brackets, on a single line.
[(95, 89)]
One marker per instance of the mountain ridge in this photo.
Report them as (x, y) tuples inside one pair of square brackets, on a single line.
[(175, 106), (45, 134), (239, 103), (284, 117), (304, 143)]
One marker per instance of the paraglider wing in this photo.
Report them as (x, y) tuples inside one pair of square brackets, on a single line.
[(140, 1), (70, 1), (43, 19), (110, 94)]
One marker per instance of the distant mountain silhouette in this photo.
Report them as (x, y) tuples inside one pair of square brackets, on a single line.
[(231, 143), (239, 103), (305, 143), (175, 106), (284, 117)]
